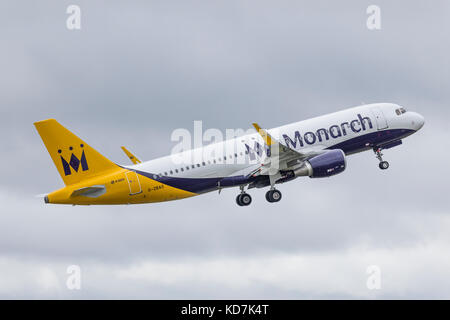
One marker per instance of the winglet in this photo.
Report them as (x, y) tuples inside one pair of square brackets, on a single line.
[(265, 135), (131, 156)]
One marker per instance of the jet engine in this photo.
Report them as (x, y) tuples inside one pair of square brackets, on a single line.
[(323, 165), (326, 164)]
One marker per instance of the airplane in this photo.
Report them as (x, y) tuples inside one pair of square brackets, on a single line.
[(314, 148)]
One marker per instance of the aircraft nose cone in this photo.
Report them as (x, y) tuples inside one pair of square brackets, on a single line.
[(417, 121)]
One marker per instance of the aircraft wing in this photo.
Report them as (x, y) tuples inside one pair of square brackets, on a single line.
[(281, 157), (131, 156)]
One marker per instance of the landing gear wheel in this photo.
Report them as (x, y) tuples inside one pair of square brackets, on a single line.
[(238, 200), (384, 165), (246, 199), (273, 195), (243, 199)]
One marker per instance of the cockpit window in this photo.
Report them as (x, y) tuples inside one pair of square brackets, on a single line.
[(399, 111)]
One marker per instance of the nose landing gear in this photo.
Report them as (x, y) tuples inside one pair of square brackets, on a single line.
[(383, 165)]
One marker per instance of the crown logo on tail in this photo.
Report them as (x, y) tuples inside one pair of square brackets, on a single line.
[(74, 163)]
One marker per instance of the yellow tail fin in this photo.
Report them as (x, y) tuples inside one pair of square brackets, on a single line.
[(74, 158)]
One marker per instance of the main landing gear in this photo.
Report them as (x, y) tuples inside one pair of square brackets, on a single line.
[(273, 195), (383, 164), (243, 199)]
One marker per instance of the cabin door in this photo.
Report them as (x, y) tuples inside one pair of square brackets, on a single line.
[(133, 182), (380, 119)]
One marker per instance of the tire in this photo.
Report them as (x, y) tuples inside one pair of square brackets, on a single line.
[(273, 195), (238, 200), (384, 165), (245, 199), (276, 195)]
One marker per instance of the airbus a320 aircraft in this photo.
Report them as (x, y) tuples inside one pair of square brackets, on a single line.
[(314, 148)]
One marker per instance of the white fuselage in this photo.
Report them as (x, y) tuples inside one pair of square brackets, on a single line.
[(343, 129)]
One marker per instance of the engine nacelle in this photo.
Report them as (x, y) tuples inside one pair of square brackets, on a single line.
[(326, 164)]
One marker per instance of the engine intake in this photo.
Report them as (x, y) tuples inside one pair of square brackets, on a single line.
[(324, 165)]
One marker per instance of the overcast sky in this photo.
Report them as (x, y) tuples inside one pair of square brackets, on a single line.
[(137, 70)]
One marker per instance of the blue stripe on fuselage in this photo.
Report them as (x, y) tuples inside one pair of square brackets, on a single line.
[(357, 144), (370, 140)]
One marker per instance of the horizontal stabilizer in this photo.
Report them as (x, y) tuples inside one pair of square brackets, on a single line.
[(131, 156)]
